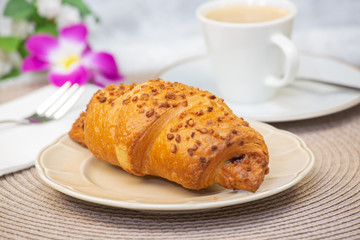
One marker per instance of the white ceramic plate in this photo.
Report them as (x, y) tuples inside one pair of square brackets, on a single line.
[(301, 100), (73, 170)]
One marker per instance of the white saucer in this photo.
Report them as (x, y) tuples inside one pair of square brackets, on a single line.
[(301, 100), (72, 169)]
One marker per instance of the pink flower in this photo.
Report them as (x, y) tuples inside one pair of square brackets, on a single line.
[(70, 58)]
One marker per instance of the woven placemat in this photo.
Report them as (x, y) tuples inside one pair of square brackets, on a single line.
[(324, 205)]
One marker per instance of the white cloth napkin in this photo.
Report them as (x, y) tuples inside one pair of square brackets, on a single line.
[(20, 144)]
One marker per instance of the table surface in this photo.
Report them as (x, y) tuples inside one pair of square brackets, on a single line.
[(324, 205)]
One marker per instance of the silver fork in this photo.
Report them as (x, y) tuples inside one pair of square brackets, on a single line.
[(54, 107)]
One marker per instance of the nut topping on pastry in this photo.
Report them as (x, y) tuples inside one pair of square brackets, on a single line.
[(173, 131)]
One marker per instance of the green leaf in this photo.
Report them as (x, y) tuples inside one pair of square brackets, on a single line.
[(22, 50), (19, 9), (49, 28), (38, 19), (9, 44), (14, 72), (79, 4), (97, 19)]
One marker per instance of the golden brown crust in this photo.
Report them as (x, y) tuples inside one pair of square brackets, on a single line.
[(176, 132), (77, 130)]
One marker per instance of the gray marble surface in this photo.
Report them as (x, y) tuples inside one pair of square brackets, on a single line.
[(147, 35)]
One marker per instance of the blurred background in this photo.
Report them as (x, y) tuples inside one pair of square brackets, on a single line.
[(146, 36)]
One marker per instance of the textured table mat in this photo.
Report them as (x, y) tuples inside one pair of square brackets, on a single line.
[(325, 205)]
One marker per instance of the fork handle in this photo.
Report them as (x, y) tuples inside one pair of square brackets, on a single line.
[(15, 121)]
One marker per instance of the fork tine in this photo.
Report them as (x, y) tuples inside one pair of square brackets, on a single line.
[(51, 100), (68, 104), (61, 100)]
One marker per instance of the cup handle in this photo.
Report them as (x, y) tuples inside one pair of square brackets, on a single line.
[(291, 61)]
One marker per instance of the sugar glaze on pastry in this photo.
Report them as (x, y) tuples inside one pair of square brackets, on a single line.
[(173, 131)]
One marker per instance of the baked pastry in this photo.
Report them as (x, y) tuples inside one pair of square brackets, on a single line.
[(174, 131)]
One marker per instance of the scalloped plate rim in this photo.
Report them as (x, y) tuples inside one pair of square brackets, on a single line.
[(178, 208)]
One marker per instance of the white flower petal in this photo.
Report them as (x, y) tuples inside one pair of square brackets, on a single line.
[(68, 15), (66, 49), (48, 8), (5, 65), (21, 28)]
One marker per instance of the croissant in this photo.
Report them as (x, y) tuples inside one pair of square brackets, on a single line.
[(173, 131)]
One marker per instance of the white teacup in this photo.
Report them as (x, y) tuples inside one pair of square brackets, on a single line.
[(250, 61)]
